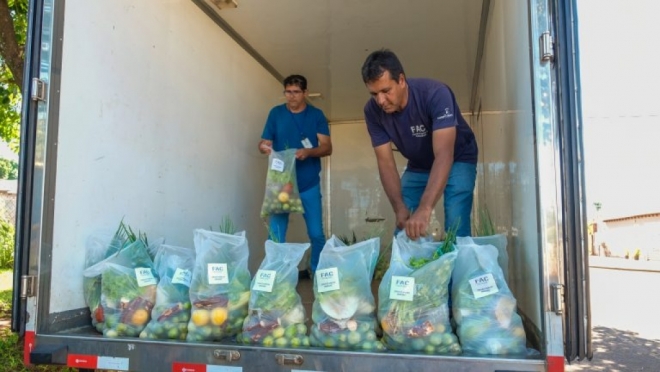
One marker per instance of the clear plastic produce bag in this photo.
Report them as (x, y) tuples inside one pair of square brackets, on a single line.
[(343, 312), (498, 241), (171, 313), (132, 255), (128, 294), (276, 314), (281, 194), (220, 287), (413, 301), (98, 247), (484, 308)]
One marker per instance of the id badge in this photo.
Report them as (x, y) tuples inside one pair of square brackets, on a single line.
[(306, 143)]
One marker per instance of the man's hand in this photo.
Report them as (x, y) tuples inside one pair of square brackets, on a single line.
[(417, 224), (302, 154), (265, 146), (402, 216)]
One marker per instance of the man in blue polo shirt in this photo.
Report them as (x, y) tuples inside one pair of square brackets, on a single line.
[(297, 124), (421, 117)]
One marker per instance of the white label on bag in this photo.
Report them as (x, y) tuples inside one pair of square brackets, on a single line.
[(483, 286), (278, 165), (218, 273), (264, 280), (182, 276), (144, 276), (402, 288), (327, 280)]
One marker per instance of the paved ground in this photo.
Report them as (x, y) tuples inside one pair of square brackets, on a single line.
[(625, 308)]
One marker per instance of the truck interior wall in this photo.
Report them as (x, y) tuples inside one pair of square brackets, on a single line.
[(187, 116), (357, 203), (504, 126)]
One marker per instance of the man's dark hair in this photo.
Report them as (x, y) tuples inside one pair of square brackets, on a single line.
[(298, 80), (380, 61)]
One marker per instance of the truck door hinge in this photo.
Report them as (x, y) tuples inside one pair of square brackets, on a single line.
[(547, 47), (28, 286), (39, 90), (557, 297)]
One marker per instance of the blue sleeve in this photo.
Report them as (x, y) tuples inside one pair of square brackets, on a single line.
[(269, 128), (442, 108), (322, 126), (376, 131)]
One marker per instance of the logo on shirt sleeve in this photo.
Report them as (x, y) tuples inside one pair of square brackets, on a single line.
[(447, 114)]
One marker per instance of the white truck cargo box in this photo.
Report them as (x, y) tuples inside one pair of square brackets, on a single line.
[(151, 111)]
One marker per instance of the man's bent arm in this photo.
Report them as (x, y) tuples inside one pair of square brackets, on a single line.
[(324, 149), (389, 177), (443, 149)]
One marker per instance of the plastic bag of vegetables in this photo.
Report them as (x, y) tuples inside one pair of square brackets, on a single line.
[(128, 253), (128, 291), (413, 297), (220, 287), (276, 314), (98, 247), (281, 185), (343, 312), (498, 241), (484, 308), (171, 313)]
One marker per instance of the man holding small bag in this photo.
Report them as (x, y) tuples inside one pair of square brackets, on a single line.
[(297, 124)]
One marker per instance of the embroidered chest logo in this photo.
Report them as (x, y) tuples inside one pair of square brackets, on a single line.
[(418, 131), (447, 114)]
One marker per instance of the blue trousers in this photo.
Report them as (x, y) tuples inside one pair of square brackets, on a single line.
[(458, 196), (311, 201)]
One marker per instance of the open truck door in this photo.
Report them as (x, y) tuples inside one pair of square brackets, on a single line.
[(577, 313), (31, 206), (562, 223), (31, 178)]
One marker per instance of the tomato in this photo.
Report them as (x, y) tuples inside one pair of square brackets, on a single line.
[(98, 314)]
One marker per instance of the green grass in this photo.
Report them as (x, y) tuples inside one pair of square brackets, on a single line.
[(5, 304), (11, 348)]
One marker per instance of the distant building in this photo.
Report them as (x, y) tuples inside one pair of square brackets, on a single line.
[(629, 233)]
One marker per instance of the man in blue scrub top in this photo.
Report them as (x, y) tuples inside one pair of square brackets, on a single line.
[(297, 124), (421, 117)]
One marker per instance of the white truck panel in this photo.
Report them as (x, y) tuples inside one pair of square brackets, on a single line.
[(188, 115), (507, 170)]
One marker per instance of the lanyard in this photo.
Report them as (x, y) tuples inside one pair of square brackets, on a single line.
[(300, 129)]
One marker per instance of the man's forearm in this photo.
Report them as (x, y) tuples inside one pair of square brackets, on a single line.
[(389, 177), (322, 150), (436, 184)]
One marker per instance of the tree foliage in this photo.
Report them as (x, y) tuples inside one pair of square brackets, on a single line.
[(13, 32), (8, 169)]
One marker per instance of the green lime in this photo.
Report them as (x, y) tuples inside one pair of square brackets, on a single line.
[(268, 341), (278, 332), (354, 338), (281, 342)]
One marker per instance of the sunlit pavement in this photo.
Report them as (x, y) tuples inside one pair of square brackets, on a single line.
[(625, 306)]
